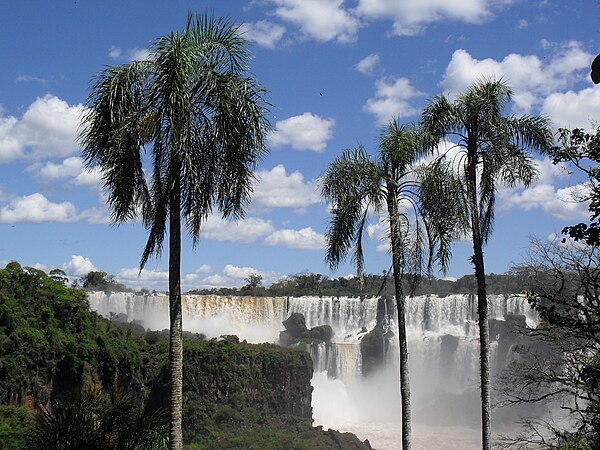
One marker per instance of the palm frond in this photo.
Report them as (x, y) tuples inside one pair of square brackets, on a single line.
[(442, 204), (111, 137), (351, 184), (199, 112)]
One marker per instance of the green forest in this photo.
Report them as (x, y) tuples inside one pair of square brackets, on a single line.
[(70, 375)]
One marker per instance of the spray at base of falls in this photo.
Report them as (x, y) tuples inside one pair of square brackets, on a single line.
[(442, 337)]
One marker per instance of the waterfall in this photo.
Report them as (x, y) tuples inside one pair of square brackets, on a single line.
[(442, 339), (441, 331), (256, 319)]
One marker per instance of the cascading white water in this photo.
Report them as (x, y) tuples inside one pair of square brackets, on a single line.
[(429, 320), (441, 331)]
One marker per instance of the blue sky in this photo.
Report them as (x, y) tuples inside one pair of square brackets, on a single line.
[(336, 71)]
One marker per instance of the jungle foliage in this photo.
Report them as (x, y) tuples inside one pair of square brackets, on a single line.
[(55, 350)]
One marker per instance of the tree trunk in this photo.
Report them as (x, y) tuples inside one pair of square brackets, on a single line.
[(482, 305), (392, 204), (176, 328)]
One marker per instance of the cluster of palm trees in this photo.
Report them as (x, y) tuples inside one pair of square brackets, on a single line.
[(195, 115), (435, 183)]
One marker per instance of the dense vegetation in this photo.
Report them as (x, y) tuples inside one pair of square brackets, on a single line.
[(54, 349)]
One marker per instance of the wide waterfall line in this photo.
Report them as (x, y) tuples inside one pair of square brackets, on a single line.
[(442, 331)]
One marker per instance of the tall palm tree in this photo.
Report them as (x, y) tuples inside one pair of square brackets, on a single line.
[(357, 186), (196, 118), (492, 148)]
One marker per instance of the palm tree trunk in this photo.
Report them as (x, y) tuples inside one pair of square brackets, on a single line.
[(482, 306), (392, 204), (176, 329)]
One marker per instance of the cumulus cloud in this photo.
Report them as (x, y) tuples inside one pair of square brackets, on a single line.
[(238, 272), (36, 208), (305, 132), (305, 239), (322, 20), (78, 266), (392, 99), (368, 64), (242, 231), (276, 188), (72, 168), (411, 16), (204, 268), (219, 281), (530, 77), (574, 109), (564, 203), (264, 33), (47, 129)]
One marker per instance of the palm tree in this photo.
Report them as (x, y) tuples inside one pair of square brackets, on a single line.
[(98, 421), (193, 114), (357, 186), (493, 149)]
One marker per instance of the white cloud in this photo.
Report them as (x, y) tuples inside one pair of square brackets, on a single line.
[(145, 274), (69, 168), (72, 168), (95, 215), (306, 239), (322, 20), (114, 52), (236, 272), (204, 268), (368, 64), (132, 54), (235, 276), (304, 132), (48, 128), (79, 266), (264, 33), (574, 109), (219, 281), (391, 99), (276, 189), (242, 231), (379, 232), (36, 208), (564, 203), (146, 278), (138, 54), (410, 16), (530, 77), (11, 147), (30, 78)]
